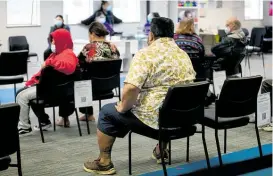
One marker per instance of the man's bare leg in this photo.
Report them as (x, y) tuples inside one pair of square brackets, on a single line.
[(105, 145)]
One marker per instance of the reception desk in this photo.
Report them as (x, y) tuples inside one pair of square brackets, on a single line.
[(126, 48)]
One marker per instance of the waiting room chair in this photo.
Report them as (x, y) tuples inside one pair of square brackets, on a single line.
[(20, 43), (255, 45), (52, 92), (9, 137), (12, 66), (105, 76), (245, 30), (237, 100), (177, 120)]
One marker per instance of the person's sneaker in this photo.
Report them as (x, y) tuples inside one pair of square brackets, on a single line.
[(45, 126), (267, 128), (24, 132), (157, 157), (95, 167)]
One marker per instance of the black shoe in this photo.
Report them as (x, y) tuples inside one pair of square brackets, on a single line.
[(23, 132)]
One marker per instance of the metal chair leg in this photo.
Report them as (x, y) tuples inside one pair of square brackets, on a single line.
[(87, 122), (170, 153), (54, 121), (78, 123), (258, 138), (248, 59), (205, 146), (15, 93), (130, 152), (188, 149), (218, 147), (225, 141), (162, 158), (263, 65), (41, 131), (100, 104), (19, 165), (119, 93)]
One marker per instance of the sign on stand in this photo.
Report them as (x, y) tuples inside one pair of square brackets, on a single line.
[(263, 109), (83, 93), (219, 78)]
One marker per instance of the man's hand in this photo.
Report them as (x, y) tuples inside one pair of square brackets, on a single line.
[(119, 108), (43, 65)]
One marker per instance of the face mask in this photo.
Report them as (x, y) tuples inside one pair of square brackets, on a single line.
[(101, 20), (109, 8), (227, 30), (53, 48), (150, 18), (58, 23)]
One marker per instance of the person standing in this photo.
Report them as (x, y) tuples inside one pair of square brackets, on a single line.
[(58, 24), (106, 9)]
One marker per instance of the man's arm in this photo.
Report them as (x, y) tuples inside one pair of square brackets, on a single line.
[(129, 97)]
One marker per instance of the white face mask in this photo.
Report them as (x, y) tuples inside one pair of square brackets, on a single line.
[(101, 20), (227, 30), (58, 23), (53, 48)]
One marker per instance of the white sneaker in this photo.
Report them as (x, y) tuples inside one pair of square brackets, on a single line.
[(45, 126), (268, 128)]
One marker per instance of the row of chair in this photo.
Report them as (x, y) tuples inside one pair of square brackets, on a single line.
[(238, 99)]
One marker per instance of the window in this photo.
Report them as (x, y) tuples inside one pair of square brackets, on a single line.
[(253, 9), (23, 12), (127, 10), (77, 10)]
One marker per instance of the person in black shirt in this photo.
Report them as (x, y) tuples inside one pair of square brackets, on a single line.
[(106, 9)]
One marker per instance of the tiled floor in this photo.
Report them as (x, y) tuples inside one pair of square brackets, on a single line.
[(64, 151)]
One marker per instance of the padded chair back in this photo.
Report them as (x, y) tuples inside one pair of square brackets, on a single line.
[(105, 75), (232, 66), (245, 30), (221, 33), (9, 117), (13, 63), (256, 37), (55, 87), (183, 106), (238, 96), (196, 61), (18, 43)]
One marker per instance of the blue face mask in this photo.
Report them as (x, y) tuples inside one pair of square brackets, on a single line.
[(58, 23), (150, 18), (109, 8)]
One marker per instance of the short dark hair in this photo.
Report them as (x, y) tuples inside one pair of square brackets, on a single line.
[(162, 27), (60, 16), (156, 14), (186, 13), (98, 29), (102, 4)]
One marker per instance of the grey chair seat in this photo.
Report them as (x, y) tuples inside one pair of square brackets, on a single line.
[(223, 123), (32, 54), (253, 48)]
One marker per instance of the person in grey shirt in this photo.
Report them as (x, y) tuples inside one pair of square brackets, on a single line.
[(59, 23)]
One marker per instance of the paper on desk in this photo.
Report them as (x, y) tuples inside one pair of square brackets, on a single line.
[(219, 78), (263, 109), (83, 93)]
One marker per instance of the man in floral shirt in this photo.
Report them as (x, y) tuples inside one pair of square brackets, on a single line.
[(153, 70)]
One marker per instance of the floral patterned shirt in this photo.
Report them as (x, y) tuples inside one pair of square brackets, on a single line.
[(153, 70)]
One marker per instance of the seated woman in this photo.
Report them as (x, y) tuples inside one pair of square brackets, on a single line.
[(147, 26), (101, 18), (186, 38), (58, 24), (97, 49), (63, 60)]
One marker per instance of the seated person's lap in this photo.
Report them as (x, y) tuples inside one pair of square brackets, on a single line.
[(115, 124)]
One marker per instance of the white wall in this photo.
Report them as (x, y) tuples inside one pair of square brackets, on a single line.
[(267, 19), (37, 36)]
